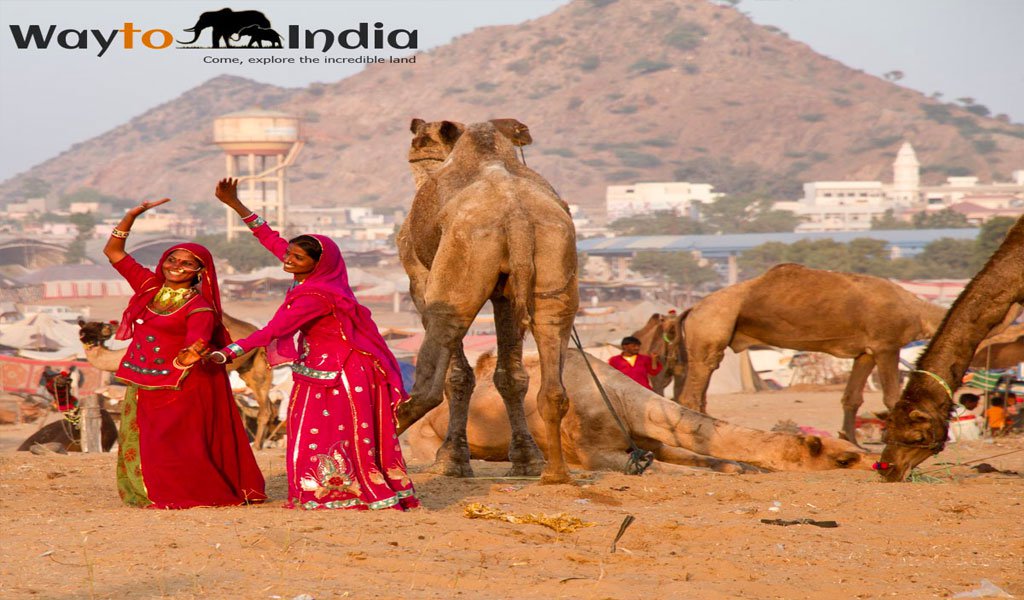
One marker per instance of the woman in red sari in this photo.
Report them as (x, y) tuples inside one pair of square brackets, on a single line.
[(343, 449), (181, 442)]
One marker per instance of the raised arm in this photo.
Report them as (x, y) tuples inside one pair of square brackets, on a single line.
[(227, 193), (114, 250)]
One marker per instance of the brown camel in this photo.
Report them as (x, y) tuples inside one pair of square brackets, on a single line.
[(918, 424), (483, 226), (252, 367), (591, 438), (660, 338), (846, 315)]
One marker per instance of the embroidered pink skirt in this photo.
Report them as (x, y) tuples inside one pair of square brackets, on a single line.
[(343, 451)]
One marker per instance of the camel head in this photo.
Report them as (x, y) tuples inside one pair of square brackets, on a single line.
[(432, 142), (95, 333), (813, 453), (916, 429)]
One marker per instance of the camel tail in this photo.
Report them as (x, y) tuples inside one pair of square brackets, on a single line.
[(521, 268)]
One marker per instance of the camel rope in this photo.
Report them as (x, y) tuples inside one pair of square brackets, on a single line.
[(942, 381), (639, 459)]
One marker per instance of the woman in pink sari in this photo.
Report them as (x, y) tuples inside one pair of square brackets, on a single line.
[(343, 449), (181, 441)]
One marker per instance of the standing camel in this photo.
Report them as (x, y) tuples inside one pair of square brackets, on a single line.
[(846, 315), (253, 367), (660, 337), (917, 425), (483, 226)]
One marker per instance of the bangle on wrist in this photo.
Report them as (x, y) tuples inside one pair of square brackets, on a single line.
[(233, 351), (119, 234)]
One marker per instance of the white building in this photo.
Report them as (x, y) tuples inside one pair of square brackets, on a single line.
[(851, 205), (680, 197)]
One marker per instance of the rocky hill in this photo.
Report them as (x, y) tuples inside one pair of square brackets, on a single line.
[(613, 91)]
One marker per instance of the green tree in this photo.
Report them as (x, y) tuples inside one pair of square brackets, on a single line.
[(871, 257), (744, 213), (662, 222), (946, 258), (759, 259), (992, 234), (680, 268), (92, 195), (820, 254), (889, 221), (86, 224), (243, 254), (34, 187), (943, 219)]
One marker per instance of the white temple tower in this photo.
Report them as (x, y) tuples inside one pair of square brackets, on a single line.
[(906, 176)]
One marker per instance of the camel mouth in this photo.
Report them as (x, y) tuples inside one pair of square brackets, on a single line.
[(416, 160)]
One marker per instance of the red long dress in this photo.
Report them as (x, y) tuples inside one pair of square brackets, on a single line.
[(181, 441)]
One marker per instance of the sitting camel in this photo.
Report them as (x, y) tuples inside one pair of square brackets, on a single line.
[(1001, 351), (660, 338), (252, 367), (917, 426), (591, 438), (846, 315), (483, 226), (66, 431)]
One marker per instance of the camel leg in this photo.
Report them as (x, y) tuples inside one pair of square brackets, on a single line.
[(551, 326), (681, 456), (702, 362), (452, 457), (512, 382), (853, 395), (889, 376), (257, 377)]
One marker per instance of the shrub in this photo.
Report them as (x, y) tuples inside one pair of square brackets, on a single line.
[(812, 117), (645, 66), (589, 63), (685, 36)]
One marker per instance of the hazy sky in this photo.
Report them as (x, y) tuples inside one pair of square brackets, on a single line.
[(54, 98)]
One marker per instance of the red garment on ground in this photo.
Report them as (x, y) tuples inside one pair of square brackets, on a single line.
[(640, 371)]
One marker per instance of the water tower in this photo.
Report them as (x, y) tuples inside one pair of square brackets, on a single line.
[(259, 147)]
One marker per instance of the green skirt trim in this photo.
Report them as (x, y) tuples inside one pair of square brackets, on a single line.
[(130, 485)]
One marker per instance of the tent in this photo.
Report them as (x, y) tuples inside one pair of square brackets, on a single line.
[(42, 332)]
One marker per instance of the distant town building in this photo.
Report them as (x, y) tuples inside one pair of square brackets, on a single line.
[(851, 205), (680, 197), (355, 223)]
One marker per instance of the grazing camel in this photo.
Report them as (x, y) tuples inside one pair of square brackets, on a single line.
[(846, 315), (483, 226), (252, 367), (660, 337), (918, 424), (66, 431), (591, 438)]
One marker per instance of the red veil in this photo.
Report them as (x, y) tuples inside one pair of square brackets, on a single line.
[(330, 280), (207, 287)]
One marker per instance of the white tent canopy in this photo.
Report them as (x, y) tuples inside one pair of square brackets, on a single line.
[(42, 332)]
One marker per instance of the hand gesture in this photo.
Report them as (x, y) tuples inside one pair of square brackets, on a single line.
[(217, 357), (227, 190), (191, 355), (138, 210)]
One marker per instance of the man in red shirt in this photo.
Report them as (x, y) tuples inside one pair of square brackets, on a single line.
[(638, 367)]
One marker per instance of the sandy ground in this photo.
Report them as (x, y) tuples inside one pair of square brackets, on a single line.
[(64, 533)]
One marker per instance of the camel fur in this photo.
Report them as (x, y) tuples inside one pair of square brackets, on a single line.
[(483, 226), (591, 438), (918, 424), (253, 367), (846, 315)]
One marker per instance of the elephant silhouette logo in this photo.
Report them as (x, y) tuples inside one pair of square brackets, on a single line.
[(226, 23), (258, 35)]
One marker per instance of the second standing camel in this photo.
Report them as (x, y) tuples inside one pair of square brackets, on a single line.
[(846, 315)]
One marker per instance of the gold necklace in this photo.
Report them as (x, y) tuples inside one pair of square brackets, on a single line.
[(169, 300)]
